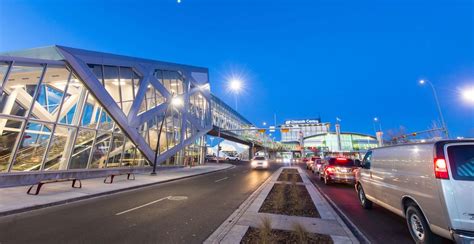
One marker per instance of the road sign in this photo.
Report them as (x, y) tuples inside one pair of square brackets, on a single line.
[(272, 128), (261, 130), (284, 130)]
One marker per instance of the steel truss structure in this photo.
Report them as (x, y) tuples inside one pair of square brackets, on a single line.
[(66, 109)]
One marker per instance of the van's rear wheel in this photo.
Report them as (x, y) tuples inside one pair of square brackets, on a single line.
[(418, 226), (366, 203)]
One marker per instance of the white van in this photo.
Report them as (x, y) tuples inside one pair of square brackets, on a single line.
[(430, 184)]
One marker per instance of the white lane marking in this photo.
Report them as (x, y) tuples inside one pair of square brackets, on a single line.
[(144, 205), (225, 178)]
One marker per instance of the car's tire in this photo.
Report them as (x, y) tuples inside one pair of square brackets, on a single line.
[(327, 181), (418, 226), (364, 202)]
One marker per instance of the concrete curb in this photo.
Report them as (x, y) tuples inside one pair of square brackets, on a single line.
[(352, 227), (41, 206), (219, 234), (346, 228)]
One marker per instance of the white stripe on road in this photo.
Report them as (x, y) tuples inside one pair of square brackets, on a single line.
[(225, 178), (144, 205)]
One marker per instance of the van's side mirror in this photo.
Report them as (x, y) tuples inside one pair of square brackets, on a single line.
[(357, 163)]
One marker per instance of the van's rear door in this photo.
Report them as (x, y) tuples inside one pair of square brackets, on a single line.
[(460, 158)]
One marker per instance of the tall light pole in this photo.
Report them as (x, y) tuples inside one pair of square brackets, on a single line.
[(377, 120), (435, 94), (175, 102), (379, 133)]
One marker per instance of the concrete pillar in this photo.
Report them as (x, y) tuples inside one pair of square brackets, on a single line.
[(338, 135), (251, 152), (380, 138)]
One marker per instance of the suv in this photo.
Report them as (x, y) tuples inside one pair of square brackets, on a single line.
[(337, 170), (233, 158), (259, 162), (430, 184)]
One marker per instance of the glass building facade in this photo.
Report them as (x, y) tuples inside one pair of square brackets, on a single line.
[(296, 130), (350, 142), (67, 109)]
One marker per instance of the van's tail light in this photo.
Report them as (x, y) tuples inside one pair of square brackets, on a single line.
[(441, 169)]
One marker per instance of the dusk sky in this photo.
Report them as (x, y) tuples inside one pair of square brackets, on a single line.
[(355, 60)]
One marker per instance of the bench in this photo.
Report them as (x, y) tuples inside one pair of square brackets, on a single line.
[(41, 183), (111, 176)]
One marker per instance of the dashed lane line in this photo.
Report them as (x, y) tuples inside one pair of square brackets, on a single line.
[(225, 178), (144, 205)]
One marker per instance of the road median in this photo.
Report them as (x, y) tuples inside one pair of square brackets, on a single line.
[(251, 222)]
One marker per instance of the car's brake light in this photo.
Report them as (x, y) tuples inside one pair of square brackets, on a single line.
[(330, 169), (342, 160), (441, 169)]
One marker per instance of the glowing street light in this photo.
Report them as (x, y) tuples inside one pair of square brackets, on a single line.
[(235, 86), (377, 120), (435, 94), (468, 95), (264, 123)]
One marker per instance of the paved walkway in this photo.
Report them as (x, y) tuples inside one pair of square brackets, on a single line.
[(247, 215), (15, 200)]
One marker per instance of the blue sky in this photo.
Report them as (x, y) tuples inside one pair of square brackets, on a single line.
[(355, 60)]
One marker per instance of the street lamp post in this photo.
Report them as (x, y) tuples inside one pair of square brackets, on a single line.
[(435, 94), (218, 144), (175, 101)]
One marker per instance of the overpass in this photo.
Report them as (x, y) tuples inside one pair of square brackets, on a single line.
[(230, 125)]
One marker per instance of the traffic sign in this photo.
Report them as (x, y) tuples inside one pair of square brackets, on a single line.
[(284, 130), (261, 130)]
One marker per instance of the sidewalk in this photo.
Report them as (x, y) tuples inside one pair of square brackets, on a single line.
[(247, 215), (15, 200)]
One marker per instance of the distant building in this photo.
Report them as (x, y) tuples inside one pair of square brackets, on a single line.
[(350, 142), (311, 136), (296, 130)]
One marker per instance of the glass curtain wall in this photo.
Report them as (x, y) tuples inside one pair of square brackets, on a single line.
[(170, 132), (122, 84), (50, 121)]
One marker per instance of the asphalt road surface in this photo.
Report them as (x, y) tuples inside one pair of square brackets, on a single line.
[(183, 211), (377, 224)]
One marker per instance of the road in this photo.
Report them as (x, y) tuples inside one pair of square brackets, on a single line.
[(147, 215), (377, 224)]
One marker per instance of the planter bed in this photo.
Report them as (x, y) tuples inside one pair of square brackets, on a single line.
[(291, 203), (281, 236), (289, 175)]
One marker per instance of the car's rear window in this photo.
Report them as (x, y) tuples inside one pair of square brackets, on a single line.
[(341, 161), (461, 159), (259, 158)]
